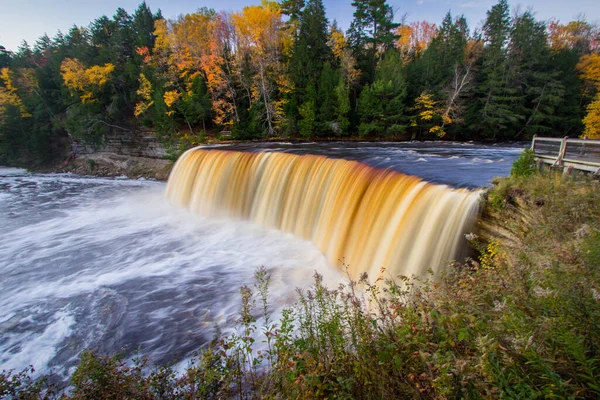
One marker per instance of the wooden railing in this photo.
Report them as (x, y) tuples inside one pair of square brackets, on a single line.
[(581, 154)]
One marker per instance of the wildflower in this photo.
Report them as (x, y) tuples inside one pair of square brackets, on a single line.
[(471, 236)]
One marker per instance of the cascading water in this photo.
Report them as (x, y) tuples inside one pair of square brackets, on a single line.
[(374, 220)]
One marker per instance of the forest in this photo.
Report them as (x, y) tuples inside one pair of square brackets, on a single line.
[(284, 70)]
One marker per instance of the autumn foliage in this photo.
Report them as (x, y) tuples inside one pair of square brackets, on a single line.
[(283, 69)]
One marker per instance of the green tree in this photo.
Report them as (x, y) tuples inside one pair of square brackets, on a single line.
[(309, 54), (371, 33), (327, 99), (195, 103), (308, 113), (381, 105), (5, 57), (533, 77), (492, 115), (342, 123)]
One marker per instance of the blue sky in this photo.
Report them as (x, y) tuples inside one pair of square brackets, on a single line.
[(29, 19)]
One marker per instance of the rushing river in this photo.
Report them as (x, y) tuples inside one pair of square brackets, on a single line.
[(108, 264)]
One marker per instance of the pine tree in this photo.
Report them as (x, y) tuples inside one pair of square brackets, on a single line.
[(5, 57), (371, 33), (308, 113), (493, 115), (533, 77), (143, 26), (327, 99), (381, 105), (342, 123), (310, 53)]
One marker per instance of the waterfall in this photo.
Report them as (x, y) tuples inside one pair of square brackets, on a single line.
[(376, 221)]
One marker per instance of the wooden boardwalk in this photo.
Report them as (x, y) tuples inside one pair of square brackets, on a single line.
[(579, 154)]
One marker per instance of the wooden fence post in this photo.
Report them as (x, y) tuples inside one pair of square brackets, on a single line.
[(561, 152)]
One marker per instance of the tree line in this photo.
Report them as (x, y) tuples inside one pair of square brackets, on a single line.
[(282, 69)]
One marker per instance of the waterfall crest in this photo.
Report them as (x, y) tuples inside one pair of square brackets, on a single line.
[(374, 220)]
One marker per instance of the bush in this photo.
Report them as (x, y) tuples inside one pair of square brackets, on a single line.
[(525, 165)]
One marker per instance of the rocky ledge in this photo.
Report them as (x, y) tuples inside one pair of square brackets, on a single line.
[(110, 164)]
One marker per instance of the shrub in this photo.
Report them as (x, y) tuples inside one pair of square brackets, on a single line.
[(525, 165)]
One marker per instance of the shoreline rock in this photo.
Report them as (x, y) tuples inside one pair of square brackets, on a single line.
[(111, 164)]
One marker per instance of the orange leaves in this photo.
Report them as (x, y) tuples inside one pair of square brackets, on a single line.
[(414, 38), (575, 34), (86, 81)]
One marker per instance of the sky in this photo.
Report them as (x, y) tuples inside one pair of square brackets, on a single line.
[(29, 19)]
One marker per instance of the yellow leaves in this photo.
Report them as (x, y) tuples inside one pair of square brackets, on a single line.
[(86, 81), (171, 98), (99, 75), (337, 41), (403, 44), (589, 68), (425, 104), (6, 78), (428, 110), (492, 255), (145, 92), (592, 119), (9, 95), (259, 27), (161, 42), (73, 74), (438, 131)]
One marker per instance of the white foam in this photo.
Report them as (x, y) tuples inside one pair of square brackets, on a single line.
[(38, 349)]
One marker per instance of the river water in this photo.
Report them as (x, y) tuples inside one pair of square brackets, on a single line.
[(109, 265)]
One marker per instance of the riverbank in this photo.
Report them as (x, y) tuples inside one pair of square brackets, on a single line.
[(110, 164), (520, 320)]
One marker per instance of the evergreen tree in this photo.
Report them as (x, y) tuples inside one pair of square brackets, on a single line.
[(342, 123), (311, 50), (5, 57), (327, 100), (381, 105), (196, 104), (371, 33), (143, 26), (309, 54), (308, 113), (533, 77), (492, 115), (102, 31), (293, 9)]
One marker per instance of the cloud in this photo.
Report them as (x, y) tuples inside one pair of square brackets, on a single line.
[(474, 4)]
